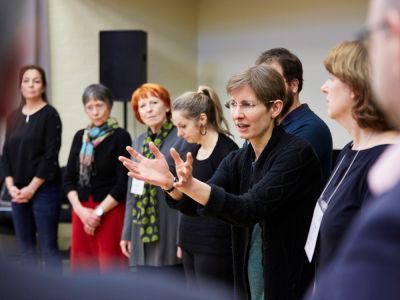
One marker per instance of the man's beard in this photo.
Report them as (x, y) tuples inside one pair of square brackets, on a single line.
[(288, 103)]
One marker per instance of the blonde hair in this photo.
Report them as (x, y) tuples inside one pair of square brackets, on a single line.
[(205, 100), (349, 61)]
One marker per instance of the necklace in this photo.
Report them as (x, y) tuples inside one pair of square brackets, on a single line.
[(27, 119)]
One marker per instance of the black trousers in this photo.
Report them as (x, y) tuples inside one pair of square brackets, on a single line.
[(202, 270)]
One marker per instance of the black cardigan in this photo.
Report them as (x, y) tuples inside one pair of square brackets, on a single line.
[(108, 176), (31, 148), (286, 184)]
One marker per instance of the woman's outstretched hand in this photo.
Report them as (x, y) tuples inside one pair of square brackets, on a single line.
[(184, 169), (154, 171)]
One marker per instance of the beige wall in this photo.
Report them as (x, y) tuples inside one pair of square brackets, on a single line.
[(195, 42), (231, 34), (74, 30)]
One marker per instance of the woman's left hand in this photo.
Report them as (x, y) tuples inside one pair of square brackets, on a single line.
[(184, 169)]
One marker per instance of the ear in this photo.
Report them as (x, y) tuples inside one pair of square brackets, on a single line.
[(203, 119), (393, 20), (276, 108), (294, 86)]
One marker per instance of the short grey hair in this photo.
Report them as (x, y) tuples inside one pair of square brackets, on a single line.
[(99, 92)]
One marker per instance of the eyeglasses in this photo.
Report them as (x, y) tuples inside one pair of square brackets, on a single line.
[(244, 106), (364, 34)]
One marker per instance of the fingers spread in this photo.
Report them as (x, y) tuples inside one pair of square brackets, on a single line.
[(157, 153), (175, 156)]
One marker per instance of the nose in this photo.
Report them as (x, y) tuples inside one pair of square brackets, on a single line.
[(148, 107), (180, 133), (324, 87), (236, 112)]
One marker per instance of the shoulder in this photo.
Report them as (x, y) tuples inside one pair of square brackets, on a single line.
[(121, 132), (79, 133), (50, 110), (226, 141), (293, 147)]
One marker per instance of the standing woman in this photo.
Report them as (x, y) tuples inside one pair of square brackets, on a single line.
[(351, 104), (149, 236), (205, 242), (30, 163), (96, 186), (274, 181)]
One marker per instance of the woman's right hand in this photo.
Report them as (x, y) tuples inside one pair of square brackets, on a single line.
[(15, 193), (88, 217), (125, 248), (154, 171)]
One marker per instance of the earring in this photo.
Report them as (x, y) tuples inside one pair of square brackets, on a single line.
[(203, 129)]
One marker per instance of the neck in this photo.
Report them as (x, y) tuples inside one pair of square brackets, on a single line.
[(260, 143), (296, 103), (33, 103), (209, 140), (207, 143), (156, 128)]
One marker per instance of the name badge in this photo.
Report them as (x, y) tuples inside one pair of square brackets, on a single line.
[(137, 186), (314, 230)]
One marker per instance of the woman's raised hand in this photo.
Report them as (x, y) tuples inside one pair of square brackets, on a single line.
[(184, 169), (154, 171)]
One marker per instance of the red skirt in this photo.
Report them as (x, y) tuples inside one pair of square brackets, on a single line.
[(100, 252)]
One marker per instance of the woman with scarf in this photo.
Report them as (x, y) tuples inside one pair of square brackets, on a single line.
[(149, 236), (95, 184)]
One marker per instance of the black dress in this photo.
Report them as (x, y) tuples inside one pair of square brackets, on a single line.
[(204, 239), (346, 202)]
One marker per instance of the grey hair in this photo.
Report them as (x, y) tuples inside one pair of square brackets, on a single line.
[(99, 92)]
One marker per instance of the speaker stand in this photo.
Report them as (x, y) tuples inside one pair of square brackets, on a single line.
[(125, 116)]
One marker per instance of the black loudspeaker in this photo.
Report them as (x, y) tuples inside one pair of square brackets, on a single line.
[(123, 61)]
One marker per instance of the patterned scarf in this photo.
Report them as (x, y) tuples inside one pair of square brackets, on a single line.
[(92, 137), (144, 211)]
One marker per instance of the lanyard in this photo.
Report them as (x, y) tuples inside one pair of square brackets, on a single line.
[(324, 203)]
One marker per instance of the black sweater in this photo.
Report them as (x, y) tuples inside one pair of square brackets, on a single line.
[(31, 148), (108, 175), (286, 182)]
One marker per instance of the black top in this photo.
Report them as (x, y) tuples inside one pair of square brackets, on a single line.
[(109, 176), (32, 145), (348, 199), (205, 234), (286, 184), (367, 265)]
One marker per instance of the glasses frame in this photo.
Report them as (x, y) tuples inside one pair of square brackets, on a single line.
[(228, 106)]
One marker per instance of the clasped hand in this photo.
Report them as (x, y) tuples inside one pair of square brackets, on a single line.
[(156, 171)]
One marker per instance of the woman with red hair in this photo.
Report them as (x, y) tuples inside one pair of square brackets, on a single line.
[(150, 229)]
